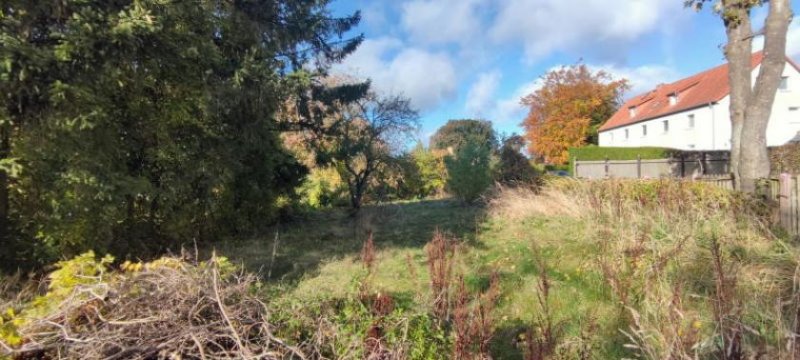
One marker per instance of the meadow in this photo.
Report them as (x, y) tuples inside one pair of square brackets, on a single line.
[(574, 270)]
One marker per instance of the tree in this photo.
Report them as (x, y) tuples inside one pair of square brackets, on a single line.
[(751, 102), (568, 109), (456, 133), (361, 136), (469, 171), (431, 169), (514, 167), (139, 125)]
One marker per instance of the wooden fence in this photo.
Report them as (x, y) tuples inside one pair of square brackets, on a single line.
[(784, 190), (702, 164)]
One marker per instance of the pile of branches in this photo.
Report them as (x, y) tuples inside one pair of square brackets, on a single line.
[(173, 310)]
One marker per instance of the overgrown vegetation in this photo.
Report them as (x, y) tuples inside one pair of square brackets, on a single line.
[(577, 270), (133, 127)]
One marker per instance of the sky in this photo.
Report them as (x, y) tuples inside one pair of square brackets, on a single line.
[(459, 59)]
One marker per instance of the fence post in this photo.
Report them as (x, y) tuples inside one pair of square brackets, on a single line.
[(784, 193), (705, 162), (606, 166), (683, 165), (638, 166), (575, 167)]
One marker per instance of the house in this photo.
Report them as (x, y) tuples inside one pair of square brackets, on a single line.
[(693, 113)]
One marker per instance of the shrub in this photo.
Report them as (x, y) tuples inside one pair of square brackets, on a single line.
[(322, 188), (514, 167), (469, 171), (431, 169)]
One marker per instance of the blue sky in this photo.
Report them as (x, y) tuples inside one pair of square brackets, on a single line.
[(477, 58)]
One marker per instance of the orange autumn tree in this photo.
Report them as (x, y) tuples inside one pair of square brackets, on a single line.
[(568, 109)]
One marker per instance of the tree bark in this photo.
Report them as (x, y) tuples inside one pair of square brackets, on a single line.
[(5, 150), (737, 52), (755, 159), (751, 105)]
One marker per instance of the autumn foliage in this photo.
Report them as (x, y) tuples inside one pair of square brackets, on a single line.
[(568, 109)]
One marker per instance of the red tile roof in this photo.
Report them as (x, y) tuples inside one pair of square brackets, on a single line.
[(697, 90)]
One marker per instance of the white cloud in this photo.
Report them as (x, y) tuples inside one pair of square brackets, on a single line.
[(479, 96), (509, 110), (427, 78), (793, 40), (544, 26), (642, 78), (442, 21)]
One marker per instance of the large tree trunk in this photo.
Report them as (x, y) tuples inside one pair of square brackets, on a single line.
[(737, 51), (755, 160), (751, 106)]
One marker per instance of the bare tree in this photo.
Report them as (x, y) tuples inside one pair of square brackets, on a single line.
[(340, 122), (751, 105), (365, 136)]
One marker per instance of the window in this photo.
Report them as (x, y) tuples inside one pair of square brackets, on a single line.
[(673, 98), (784, 83), (632, 111), (644, 130), (666, 126), (794, 108), (626, 134), (691, 121)]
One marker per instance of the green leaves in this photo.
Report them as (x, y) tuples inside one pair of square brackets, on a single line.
[(142, 125), (469, 171)]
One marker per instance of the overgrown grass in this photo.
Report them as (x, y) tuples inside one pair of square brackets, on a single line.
[(617, 254), (579, 270), (333, 237)]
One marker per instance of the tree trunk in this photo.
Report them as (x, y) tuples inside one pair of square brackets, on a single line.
[(751, 106), (5, 150), (737, 51), (755, 160)]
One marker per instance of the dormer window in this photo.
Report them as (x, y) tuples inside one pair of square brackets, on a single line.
[(632, 111), (673, 98)]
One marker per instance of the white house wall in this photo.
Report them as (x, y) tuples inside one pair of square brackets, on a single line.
[(712, 128)]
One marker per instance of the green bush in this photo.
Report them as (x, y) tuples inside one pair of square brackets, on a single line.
[(469, 171), (323, 187)]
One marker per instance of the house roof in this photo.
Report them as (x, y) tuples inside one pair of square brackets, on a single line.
[(697, 90)]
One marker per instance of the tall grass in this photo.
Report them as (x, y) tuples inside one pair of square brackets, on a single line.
[(692, 269)]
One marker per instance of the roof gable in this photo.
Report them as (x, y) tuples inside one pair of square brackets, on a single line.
[(697, 90)]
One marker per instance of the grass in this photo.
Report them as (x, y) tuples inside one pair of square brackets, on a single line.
[(333, 237), (579, 270), (582, 234)]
